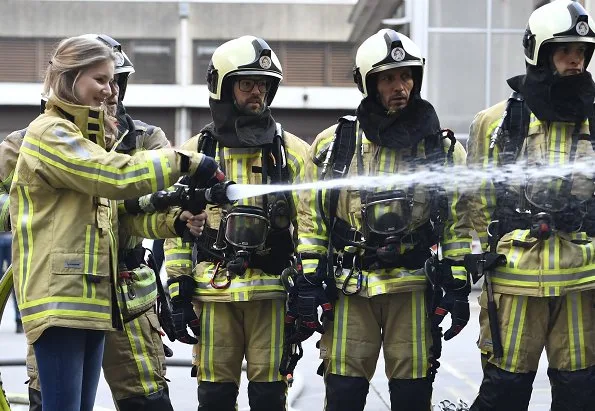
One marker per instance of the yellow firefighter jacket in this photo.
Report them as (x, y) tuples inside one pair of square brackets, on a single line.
[(378, 161), (239, 164), (64, 225), (565, 261), (157, 225)]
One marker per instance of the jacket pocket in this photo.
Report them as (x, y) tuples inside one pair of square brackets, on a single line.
[(84, 275), (90, 263)]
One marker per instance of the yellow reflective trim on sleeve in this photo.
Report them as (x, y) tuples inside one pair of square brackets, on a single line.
[(150, 224), (297, 170), (24, 237), (81, 167), (174, 289)]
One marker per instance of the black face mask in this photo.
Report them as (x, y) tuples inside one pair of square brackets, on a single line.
[(403, 129), (552, 97), (234, 129)]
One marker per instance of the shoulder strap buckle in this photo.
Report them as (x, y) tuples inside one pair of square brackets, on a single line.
[(342, 171)]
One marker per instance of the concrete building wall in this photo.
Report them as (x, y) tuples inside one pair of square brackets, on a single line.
[(171, 101), (295, 22)]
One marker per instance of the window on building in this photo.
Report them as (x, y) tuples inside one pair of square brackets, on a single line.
[(464, 80), (202, 52), (25, 60), (156, 60)]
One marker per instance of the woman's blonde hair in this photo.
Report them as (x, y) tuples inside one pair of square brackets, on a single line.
[(73, 56)]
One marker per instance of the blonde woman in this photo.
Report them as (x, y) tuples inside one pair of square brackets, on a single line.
[(64, 220)]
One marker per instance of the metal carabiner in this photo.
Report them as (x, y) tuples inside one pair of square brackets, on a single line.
[(220, 286), (339, 267), (358, 284), (131, 291)]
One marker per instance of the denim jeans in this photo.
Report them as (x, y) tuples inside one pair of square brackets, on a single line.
[(69, 364)]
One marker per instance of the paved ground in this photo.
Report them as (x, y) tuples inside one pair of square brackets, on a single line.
[(459, 376)]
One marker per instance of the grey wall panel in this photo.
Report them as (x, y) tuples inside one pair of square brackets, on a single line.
[(293, 22), (161, 20)]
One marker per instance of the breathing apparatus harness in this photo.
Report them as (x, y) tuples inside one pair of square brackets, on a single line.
[(377, 245), (541, 205), (250, 236), (533, 207)]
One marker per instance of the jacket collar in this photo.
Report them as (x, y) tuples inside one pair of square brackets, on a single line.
[(88, 119)]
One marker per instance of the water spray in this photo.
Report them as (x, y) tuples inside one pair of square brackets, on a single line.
[(452, 178)]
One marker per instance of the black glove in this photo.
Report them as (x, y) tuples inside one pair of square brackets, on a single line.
[(455, 300), (167, 351), (207, 173), (302, 311), (183, 314)]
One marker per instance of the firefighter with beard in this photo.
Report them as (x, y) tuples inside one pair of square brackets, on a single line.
[(134, 359), (245, 248), (540, 221), (364, 251)]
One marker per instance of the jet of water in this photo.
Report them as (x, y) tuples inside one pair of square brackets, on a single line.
[(461, 178)]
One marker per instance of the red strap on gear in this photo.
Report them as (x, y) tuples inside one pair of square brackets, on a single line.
[(310, 324), (327, 307), (440, 311), (125, 274)]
